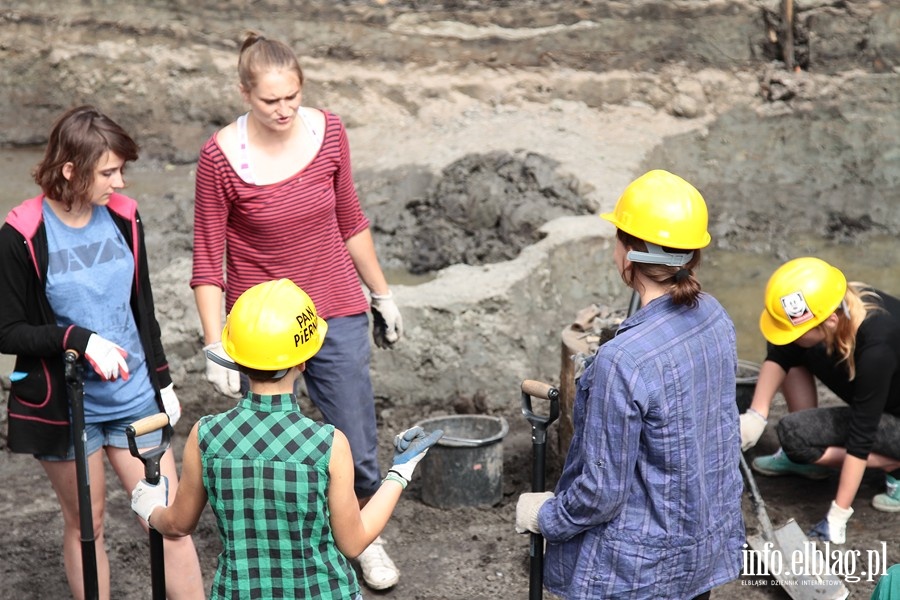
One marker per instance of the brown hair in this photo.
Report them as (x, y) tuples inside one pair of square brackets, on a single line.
[(263, 375), (260, 54), (80, 136), (684, 288)]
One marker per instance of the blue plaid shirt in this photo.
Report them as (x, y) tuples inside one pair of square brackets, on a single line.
[(649, 501)]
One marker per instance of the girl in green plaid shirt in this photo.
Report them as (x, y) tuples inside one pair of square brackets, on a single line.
[(280, 484)]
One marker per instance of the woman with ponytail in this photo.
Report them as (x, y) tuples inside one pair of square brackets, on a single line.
[(649, 501)]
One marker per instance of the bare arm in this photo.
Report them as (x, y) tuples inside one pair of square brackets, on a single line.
[(362, 252), (209, 308), (181, 518), (852, 472), (771, 376), (354, 529)]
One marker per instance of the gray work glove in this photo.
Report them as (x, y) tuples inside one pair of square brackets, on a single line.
[(226, 381), (145, 497), (107, 358), (527, 509), (410, 447), (387, 323)]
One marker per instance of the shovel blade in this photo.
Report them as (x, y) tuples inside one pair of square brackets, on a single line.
[(792, 560)]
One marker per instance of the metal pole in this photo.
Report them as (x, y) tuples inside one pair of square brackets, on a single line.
[(75, 383), (539, 426), (151, 459)]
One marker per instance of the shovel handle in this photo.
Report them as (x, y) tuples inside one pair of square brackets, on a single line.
[(545, 391), (150, 457), (149, 424), (539, 389), (539, 425)]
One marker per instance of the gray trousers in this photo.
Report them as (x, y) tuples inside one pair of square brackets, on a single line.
[(805, 434)]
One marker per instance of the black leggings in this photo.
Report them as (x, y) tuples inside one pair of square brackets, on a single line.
[(702, 596), (805, 434)]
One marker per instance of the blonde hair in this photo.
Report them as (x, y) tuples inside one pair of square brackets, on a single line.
[(859, 302), (260, 54)]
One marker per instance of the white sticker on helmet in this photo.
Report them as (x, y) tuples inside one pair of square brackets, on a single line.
[(796, 309)]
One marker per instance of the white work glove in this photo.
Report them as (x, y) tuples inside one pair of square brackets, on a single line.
[(387, 324), (107, 358), (410, 447), (145, 497), (171, 403), (752, 426), (527, 511), (833, 528), (226, 381)]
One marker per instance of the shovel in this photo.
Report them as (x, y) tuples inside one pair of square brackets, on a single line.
[(150, 458), (539, 424), (776, 550), (75, 386)]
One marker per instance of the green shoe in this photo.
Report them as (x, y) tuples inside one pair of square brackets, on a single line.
[(890, 501), (780, 464)]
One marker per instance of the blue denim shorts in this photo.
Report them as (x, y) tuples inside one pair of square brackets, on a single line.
[(110, 433)]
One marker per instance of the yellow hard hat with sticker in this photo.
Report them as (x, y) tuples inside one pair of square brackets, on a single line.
[(799, 296)]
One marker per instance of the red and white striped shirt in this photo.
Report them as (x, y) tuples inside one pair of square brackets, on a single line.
[(295, 229)]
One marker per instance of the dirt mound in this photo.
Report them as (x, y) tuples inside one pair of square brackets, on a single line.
[(483, 209), (438, 97)]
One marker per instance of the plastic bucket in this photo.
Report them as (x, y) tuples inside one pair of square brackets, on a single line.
[(747, 376), (465, 467)]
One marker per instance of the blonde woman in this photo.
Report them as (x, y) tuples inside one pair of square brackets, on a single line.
[(848, 337), (275, 198)]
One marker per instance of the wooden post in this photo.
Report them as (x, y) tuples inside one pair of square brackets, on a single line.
[(572, 343), (592, 327), (787, 17)]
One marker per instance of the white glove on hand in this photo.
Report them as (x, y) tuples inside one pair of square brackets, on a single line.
[(107, 359), (833, 528), (387, 324), (171, 403), (226, 381), (527, 511), (752, 426), (145, 498), (409, 448)]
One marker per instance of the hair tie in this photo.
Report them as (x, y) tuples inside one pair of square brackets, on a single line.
[(682, 274)]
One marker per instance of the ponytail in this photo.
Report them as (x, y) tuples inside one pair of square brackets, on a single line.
[(684, 287)]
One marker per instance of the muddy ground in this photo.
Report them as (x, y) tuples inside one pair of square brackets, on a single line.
[(471, 124)]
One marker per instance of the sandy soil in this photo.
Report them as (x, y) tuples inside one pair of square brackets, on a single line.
[(596, 86)]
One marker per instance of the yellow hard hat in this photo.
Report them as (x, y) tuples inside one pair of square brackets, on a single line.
[(273, 326), (800, 295), (663, 209)]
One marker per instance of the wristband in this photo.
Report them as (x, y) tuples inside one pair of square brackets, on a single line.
[(755, 412), (395, 476)]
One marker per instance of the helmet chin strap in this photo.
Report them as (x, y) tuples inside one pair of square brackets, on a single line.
[(230, 364), (655, 255)]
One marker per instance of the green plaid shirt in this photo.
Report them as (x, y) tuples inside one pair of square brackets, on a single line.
[(265, 468)]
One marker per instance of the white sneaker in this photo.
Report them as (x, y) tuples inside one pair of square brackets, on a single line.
[(379, 571)]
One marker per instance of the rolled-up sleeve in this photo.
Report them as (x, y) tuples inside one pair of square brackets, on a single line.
[(596, 485)]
